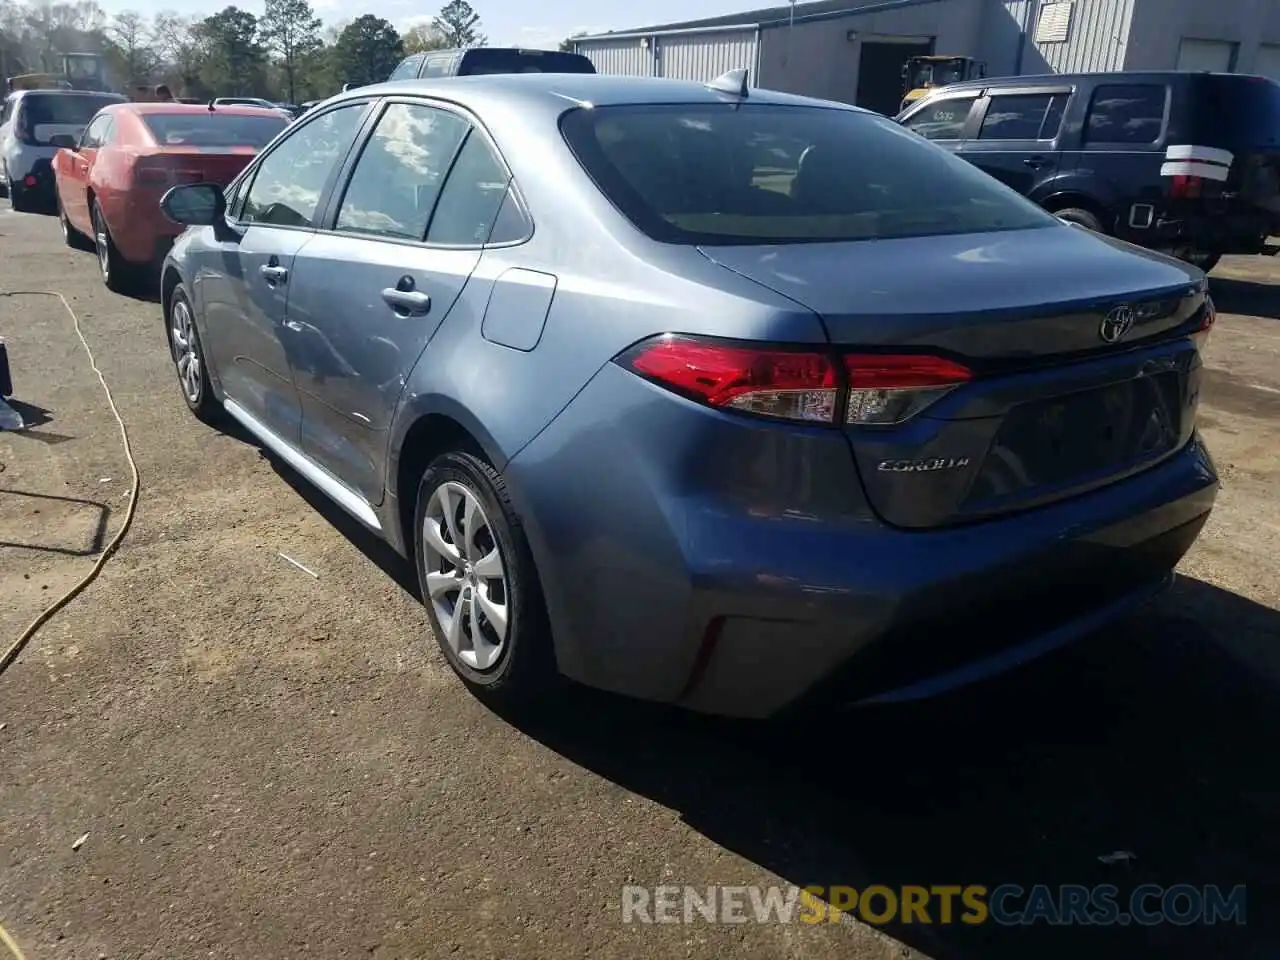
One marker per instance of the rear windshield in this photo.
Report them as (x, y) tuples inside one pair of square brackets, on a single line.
[(725, 174), (492, 60), (75, 110), (1235, 111), (213, 129)]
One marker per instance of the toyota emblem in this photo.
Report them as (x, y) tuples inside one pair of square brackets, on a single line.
[(1116, 324)]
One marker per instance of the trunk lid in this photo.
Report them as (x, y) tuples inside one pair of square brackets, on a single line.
[(1053, 408)]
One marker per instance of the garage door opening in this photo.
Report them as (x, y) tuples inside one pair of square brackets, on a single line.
[(880, 63)]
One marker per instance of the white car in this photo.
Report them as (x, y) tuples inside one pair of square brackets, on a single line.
[(28, 123)]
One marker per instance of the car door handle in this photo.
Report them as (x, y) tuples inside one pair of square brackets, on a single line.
[(409, 302), (1037, 162), (274, 274)]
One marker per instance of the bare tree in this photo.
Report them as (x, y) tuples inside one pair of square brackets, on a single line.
[(132, 35)]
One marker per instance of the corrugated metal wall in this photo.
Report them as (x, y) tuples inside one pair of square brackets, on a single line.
[(626, 57), (1096, 39), (704, 56), (697, 56)]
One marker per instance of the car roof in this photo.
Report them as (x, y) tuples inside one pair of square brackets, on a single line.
[(1128, 76), (168, 107), (58, 91), (558, 91)]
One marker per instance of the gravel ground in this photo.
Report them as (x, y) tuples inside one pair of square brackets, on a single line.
[(270, 765)]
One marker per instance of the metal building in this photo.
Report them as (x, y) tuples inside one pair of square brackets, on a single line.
[(853, 50)]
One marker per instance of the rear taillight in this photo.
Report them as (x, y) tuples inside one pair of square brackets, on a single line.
[(785, 384), (155, 174), (22, 129), (890, 389), (1186, 187), (809, 386), (1207, 319)]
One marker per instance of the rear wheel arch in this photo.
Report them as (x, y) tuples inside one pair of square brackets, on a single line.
[(1079, 201), (428, 437), (168, 283)]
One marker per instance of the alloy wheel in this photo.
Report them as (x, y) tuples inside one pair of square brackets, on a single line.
[(186, 351), (466, 580), (103, 244)]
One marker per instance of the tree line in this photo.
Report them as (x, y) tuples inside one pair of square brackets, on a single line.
[(287, 53)]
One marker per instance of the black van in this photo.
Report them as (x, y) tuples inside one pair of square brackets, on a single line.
[(479, 60), (1186, 163)]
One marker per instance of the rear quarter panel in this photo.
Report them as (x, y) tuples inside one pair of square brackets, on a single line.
[(613, 287)]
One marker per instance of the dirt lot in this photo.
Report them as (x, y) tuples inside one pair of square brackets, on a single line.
[(271, 765)]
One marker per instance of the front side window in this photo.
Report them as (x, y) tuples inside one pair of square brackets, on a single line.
[(730, 174), (1126, 113), (943, 120), (1021, 117), (400, 172), (408, 69), (290, 181)]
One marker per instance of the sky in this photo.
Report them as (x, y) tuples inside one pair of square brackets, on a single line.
[(507, 23)]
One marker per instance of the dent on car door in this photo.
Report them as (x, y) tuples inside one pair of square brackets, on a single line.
[(246, 275), (372, 292)]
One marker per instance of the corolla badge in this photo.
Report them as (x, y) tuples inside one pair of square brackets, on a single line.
[(931, 465), (1116, 324)]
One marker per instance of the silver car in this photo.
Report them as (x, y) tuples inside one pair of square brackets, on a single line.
[(29, 122)]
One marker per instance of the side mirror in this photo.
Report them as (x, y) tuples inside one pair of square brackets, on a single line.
[(64, 140), (195, 204), (347, 86)]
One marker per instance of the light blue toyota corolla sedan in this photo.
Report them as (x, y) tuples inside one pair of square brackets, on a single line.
[(707, 395)]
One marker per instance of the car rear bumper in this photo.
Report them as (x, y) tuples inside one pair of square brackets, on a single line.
[(1226, 228), (744, 574)]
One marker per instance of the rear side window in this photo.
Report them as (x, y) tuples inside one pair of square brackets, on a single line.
[(439, 66), (212, 129), (482, 60), (731, 174), (1126, 113), (943, 120), (471, 197), (1234, 112), (1034, 116)]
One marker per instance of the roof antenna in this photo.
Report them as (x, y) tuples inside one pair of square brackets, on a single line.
[(734, 83)]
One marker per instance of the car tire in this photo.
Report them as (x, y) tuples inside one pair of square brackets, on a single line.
[(187, 351), (118, 274), (19, 200), (474, 563), (72, 237), (1085, 218)]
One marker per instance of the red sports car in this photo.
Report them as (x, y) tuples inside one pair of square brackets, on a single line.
[(109, 185)]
